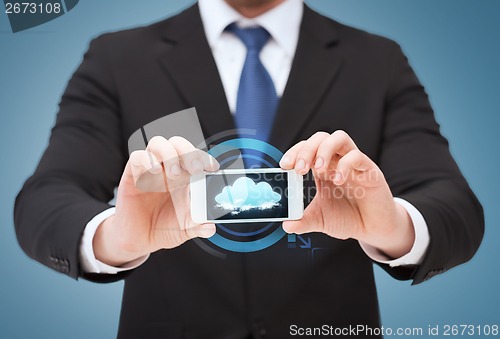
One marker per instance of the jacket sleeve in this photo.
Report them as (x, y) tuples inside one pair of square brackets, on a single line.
[(78, 171), (419, 168)]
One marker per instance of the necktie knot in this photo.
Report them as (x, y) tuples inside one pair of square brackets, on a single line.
[(254, 38)]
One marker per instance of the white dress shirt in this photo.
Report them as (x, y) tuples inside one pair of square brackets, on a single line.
[(282, 23)]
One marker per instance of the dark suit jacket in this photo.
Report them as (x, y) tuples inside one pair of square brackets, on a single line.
[(341, 78)]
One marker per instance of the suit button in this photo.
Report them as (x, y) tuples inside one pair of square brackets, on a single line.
[(65, 267), (429, 275), (60, 264), (54, 259)]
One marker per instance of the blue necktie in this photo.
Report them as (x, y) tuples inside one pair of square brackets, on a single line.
[(257, 100)]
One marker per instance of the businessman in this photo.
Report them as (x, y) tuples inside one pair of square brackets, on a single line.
[(340, 103)]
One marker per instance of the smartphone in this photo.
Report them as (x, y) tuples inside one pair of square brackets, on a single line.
[(240, 195)]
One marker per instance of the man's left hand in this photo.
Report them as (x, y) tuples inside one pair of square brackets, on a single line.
[(353, 199)]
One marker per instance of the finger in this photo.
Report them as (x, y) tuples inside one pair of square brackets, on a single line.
[(146, 172), (307, 153), (193, 160), (352, 166), (210, 163), (337, 144), (295, 227), (310, 222), (201, 231), (144, 161), (166, 154), (288, 160)]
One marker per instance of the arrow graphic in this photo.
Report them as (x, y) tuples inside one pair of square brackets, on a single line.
[(307, 244)]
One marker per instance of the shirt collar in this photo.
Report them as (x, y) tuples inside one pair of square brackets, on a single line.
[(282, 22)]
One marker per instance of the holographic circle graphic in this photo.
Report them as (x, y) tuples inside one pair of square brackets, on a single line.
[(276, 235)]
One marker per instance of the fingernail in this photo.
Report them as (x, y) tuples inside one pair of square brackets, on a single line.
[(196, 165), (337, 178), (319, 162), (213, 164), (300, 165), (285, 161), (175, 169)]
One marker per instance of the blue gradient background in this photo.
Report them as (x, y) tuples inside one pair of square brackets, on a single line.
[(454, 46)]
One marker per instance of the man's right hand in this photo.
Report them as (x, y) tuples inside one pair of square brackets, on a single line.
[(152, 206)]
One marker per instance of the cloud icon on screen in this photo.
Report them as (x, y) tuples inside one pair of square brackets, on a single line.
[(245, 195)]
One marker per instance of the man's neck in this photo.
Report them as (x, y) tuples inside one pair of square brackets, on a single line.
[(253, 8)]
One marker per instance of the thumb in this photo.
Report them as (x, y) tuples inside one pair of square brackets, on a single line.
[(201, 231), (310, 222)]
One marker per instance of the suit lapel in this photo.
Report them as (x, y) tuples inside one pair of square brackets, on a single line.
[(187, 59), (314, 68)]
